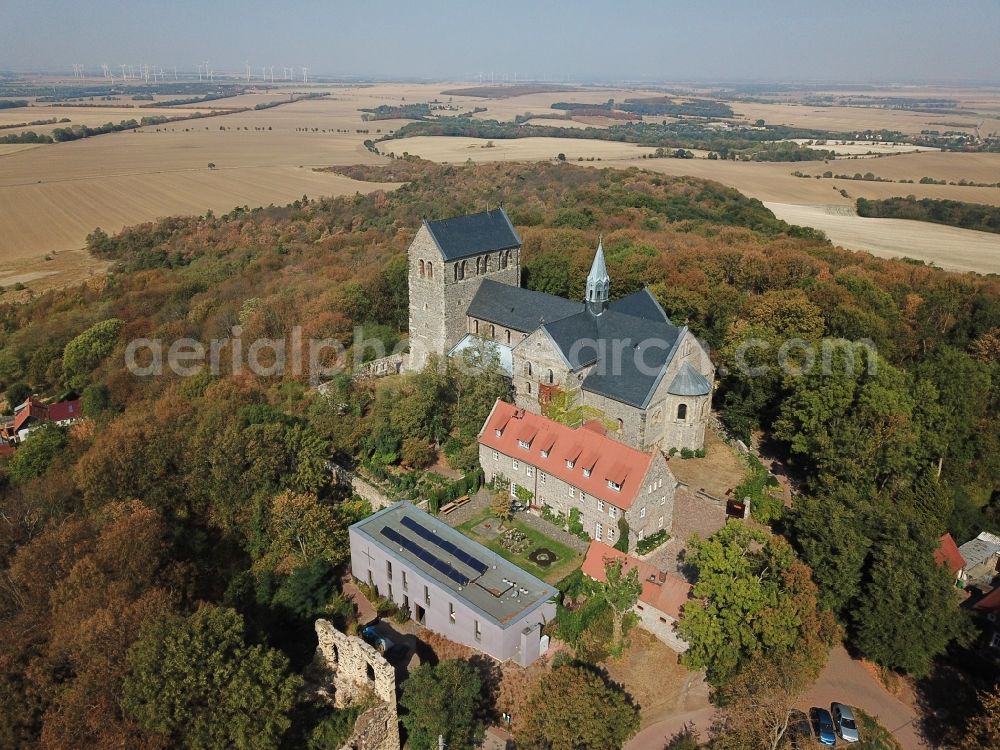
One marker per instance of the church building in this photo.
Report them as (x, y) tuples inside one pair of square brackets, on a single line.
[(651, 379)]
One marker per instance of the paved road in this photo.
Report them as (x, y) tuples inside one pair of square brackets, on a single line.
[(843, 679)]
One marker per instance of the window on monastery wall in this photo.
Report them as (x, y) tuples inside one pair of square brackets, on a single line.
[(528, 384), (508, 337), (621, 424), (493, 331), (456, 272), (430, 270), (476, 325), (421, 269), (550, 377), (682, 412), (527, 369)]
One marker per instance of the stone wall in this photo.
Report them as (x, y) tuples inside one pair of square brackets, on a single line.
[(359, 486), (357, 672), (379, 368), (439, 299)]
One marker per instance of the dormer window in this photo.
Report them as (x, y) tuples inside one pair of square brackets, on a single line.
[(499, 433), (586, 472), (545, 454), (570, 463), (524, 444), (615, 486)]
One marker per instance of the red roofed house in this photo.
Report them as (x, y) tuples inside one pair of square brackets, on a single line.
[(947, 555), (662, 596), (566, 468), (34, 412)]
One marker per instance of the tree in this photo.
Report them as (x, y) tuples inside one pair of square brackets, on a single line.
[(96, 399), (195, 680), (442, 700), (759, 703), (17, 393), (83, 353), (303, 529), (908, 611), (582, 710), (982, 732), (621, 591), (418, 453), (621, 544), (752, 599), (502, 506), (40, 449)]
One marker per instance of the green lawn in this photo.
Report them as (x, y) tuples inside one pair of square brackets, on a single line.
[(569, 559)]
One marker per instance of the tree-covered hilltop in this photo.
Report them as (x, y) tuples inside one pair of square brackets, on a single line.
[(188, 514), (953, 213)]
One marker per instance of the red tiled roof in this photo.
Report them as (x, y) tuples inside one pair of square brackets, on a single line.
[(65, 410), (32, 408), (990, 602), (612, 459), (664, 592), (947, 554)]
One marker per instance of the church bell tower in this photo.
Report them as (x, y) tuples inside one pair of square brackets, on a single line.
[(598, 283)]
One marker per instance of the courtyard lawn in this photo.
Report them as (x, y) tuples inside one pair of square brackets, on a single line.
[(569, 559)]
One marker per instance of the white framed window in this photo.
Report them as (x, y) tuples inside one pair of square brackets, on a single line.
[(600, 506), (649, 489), (586, 472), (663, 500), (642, 513), (524, 444), (613, 511), (583, 498), (499, 432), (661, 482), (615, 486), (659, 523), (529, 470), (570, 464), (496, 455), (541, 477), (515, 465), (611, 533), (640, 533), (545, 454), (599, 532), (572, 492)]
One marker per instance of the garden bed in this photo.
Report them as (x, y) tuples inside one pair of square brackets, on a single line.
[(554, 559)]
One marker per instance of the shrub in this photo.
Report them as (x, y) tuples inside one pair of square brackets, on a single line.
[(651, 542)]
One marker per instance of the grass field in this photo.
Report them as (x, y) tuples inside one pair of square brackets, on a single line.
[(457, 149)]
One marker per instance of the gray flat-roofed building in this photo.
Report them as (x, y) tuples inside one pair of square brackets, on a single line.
[(452, 584)]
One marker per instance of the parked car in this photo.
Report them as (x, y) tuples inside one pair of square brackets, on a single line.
[(799, 731), (843, 717), (380, 642), (823, 724)]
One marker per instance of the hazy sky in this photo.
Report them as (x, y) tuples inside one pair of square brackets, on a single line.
[(875, 40)]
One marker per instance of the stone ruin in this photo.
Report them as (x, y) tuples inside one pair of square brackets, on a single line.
[(357, 673)]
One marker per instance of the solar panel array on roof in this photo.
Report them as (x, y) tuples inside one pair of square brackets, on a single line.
[(431, 559), (444, 544)]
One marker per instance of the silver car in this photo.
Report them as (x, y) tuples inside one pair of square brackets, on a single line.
[(843, 719)]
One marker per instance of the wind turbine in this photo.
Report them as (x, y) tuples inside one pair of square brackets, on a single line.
[(305, 74), (248, 71), (272, 74)]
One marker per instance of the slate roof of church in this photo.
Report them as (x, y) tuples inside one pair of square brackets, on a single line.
[(689, 382), (518, 308), (474, 234), (641, 304), (645, 346)]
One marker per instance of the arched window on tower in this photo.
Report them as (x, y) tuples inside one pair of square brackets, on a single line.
[(550, 377), (682, 412), (476, 324), (508, 337), (479, 266), (462, 271), (421, 269), (529, 387), (489, 263), (430, 270), (456, 272), (502, 260), (621, 425), (527, 369), (493, 331)]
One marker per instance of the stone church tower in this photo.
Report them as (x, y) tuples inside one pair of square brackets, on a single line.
[(448, 261)]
